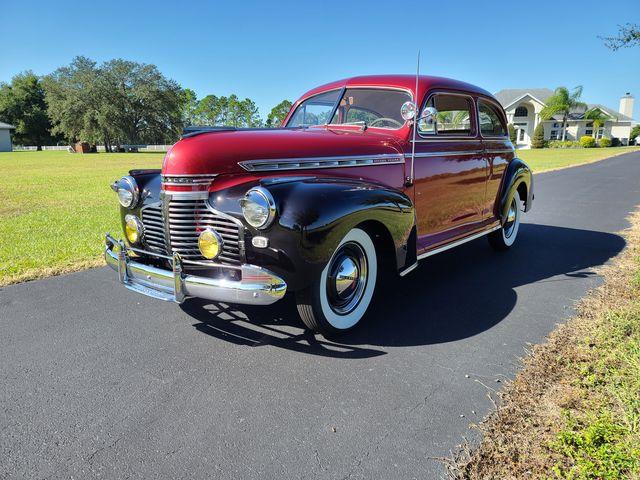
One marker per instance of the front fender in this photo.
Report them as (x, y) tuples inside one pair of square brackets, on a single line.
[(314, 214), (516, 175)]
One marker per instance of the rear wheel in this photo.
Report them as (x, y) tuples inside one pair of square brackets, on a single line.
[(505, 237), (338, 300)]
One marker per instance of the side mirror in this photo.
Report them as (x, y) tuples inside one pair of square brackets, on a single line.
[(429, 115), (408, 110)]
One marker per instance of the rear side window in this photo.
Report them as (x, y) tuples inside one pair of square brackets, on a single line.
[(453, 117), (491, 123)]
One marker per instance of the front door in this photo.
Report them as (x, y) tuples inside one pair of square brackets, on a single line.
[(450, 172), (522, 133)]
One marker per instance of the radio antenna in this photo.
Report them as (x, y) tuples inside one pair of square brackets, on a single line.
[(415, 123)]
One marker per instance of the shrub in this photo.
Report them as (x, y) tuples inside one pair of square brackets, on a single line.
[(512, 134), (605, 142), (565, 144), (587, 141), (615, 142), (538, 137)]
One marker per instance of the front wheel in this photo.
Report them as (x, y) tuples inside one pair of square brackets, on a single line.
[(505, 237), (338, 300)]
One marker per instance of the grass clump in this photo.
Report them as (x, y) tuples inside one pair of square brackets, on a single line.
[(573, 411), (56, 207)]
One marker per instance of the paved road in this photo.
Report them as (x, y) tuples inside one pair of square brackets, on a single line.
[(98, 381)]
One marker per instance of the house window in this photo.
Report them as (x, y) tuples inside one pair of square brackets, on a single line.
[(590, 124), (554, 135), (588, 131), (521, 112), (556, 125)]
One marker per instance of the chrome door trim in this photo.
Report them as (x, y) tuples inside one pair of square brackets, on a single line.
[(446, 153), (504, 150)]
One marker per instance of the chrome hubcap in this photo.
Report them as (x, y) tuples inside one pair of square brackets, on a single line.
[(347, 278), (512, 216)]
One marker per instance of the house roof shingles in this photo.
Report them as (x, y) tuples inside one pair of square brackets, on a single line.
[(510, 95)]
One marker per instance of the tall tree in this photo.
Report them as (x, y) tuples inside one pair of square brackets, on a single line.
[(189, 107), (75, 102), (278, 114), (562, 102), (212, 110), (628, 36), (22, 104), (598, 117), (115, 103), (228, 111), (148, 105)]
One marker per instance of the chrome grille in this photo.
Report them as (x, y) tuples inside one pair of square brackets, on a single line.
[(189, 217), (154, 228)]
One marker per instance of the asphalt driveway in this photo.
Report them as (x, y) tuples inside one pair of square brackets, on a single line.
[(98, 381)]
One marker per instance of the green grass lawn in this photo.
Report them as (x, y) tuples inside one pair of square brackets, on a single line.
[(554, 158), (56, 206)]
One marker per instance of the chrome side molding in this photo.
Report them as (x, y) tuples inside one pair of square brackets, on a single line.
[(268, 165)]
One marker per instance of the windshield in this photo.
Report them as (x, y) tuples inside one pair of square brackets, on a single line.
[(366, 106)]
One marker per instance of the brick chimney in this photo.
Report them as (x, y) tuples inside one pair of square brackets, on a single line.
[(626, 105)]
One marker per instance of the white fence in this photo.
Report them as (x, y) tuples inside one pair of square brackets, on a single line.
[(139, 148), (45, 147)]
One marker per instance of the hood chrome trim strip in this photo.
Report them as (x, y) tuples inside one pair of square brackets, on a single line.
[(277, 164)]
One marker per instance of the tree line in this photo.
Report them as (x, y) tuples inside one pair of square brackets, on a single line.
[(118, 102)]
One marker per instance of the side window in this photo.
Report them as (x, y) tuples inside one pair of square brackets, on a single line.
[(315, 110), (491, 124), (453, 118)]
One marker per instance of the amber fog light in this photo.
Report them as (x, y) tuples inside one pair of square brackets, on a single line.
[(210, 243), (133, 229)]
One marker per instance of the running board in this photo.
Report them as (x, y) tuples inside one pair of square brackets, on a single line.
[(449, 246)]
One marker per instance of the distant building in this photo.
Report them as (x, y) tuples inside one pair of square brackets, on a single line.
[(523, 108), (5, 137)]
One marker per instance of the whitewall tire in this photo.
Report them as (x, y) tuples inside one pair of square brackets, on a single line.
[(505, 237), (338, 300)]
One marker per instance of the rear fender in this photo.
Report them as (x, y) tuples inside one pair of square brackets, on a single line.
[(517, 176)]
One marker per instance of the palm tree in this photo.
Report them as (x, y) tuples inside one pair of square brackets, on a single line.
[(562, 102), (598, 117)]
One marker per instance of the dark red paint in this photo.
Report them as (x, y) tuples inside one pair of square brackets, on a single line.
[(454, 195)]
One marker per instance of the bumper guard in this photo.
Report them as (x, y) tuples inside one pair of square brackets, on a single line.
[(257, 286)]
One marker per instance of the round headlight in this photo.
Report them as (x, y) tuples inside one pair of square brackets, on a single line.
[(133, 229), (258, 207), (128, 193), (210, 243)]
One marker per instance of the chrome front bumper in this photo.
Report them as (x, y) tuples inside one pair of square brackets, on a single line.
[(257, 286)]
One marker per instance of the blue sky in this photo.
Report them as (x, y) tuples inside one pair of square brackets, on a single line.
[(273, 50)]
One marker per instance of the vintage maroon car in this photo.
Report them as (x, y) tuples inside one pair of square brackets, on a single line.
[(351, 187)]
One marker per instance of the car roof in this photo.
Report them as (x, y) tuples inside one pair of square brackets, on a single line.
[(405, 82)]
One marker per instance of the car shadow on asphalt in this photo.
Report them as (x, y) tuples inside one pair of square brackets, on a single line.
[(451, 296)]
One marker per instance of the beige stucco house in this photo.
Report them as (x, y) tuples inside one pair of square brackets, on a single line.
[(5, 137), (523, 108)]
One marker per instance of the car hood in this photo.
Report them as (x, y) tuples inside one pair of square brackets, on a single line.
[(219, 152)]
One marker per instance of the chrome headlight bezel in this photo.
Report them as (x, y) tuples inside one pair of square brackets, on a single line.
[(134, 221), (128, 192), (264, 200)]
